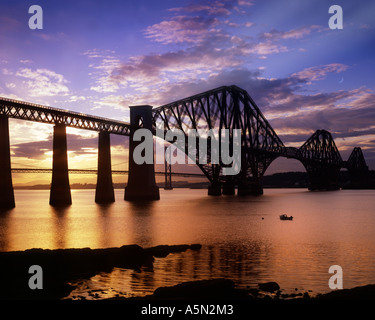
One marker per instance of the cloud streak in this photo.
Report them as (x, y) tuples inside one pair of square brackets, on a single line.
[(43, 82), (182, 29), (297, 33)]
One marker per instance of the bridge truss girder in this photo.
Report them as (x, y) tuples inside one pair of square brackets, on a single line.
[(221, 108), (225, 108), (322, 161), (358, 169), (38, 113), (356, 161)]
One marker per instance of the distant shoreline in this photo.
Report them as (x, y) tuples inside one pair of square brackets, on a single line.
[(276, 180)]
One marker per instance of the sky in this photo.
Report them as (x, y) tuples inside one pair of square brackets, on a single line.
[(100, 57)]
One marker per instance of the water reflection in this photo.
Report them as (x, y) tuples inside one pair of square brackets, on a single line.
[(4, 228), (141, 222), (104, 222), (243, 238), (59, 219), (239, 263)]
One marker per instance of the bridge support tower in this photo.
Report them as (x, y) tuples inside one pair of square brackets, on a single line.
[(6, 185), (229, 186), (141, 179), (324, 178), (252, 171), (248, 187), (214, 189), (358, 170), (104, 187), (168, 170), (322, 161), (60, 187)]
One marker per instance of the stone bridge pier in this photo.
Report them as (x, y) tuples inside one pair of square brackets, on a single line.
[(141, 178), (104, 187), (60, 188), (6, 184), (325, 178)]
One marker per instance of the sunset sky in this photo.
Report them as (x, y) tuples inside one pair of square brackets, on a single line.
[(99, 57)]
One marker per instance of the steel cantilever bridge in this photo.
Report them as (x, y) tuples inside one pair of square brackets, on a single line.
[(227, 107)]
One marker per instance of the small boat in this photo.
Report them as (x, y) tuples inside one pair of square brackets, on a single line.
[(285, 217)]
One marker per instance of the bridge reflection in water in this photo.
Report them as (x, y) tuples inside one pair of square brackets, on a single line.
[(222, 108)]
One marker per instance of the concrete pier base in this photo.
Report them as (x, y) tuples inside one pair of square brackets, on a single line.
[(142, 194), (6, 184), (104, 187), (214, 189), (229, 188), (60, 187), (324, 179), (250, 188), (141, 179)]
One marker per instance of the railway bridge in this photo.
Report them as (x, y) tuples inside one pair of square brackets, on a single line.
[(223, 108)]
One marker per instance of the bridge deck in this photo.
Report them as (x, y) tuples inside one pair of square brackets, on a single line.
[(38, 113)]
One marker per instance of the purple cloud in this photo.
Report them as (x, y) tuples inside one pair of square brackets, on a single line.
[(182, 29)]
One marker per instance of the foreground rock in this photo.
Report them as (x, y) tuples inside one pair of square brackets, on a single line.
[(358, 293), (224, 289), (163, 250), (65, 265), (269, 286), (203, 289), (212, 289)]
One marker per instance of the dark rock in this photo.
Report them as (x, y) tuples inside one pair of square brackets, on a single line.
[(306, 295), (163, 250), (253, 291), (195, 247), (358, 293), (66, 265), (269, 286), (203, 289)]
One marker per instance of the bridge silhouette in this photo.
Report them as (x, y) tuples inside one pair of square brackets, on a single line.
[(227, 107)]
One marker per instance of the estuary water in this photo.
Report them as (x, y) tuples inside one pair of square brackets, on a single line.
[(242, 238)]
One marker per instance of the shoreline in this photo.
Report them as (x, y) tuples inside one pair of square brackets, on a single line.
[(222, 289), (61, 266)]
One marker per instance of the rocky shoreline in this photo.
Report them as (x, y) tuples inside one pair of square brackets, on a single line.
[(224, 289), (62, 266)]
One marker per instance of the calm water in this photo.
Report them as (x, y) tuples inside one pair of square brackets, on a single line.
[(329, 228)]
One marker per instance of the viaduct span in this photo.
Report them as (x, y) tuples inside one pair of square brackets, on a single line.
[(227, 107)]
